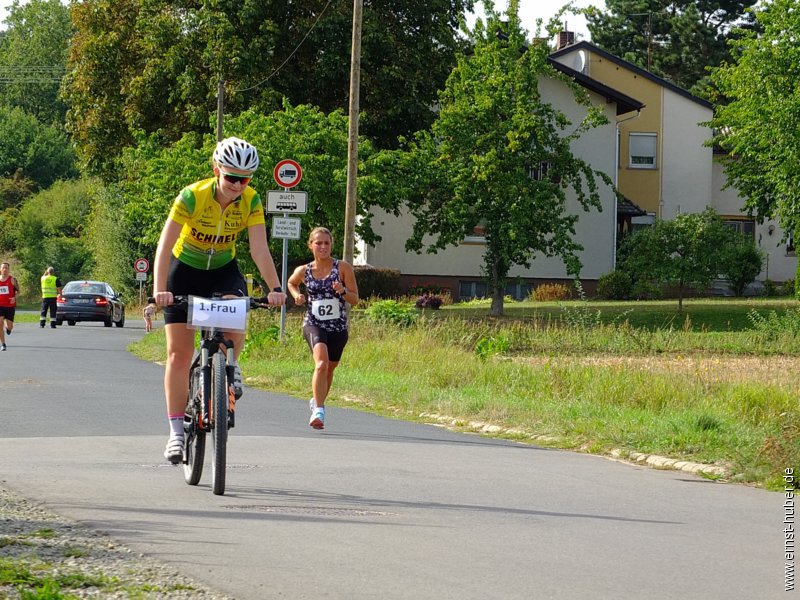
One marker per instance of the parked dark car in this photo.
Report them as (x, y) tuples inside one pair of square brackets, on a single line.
[(89, 301)]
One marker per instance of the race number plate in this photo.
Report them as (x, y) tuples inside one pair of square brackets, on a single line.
[(225, 314), (325, 310)]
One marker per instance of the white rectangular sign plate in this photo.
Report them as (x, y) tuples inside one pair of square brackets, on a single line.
[(287, 202), (225, 314), (286, 228)]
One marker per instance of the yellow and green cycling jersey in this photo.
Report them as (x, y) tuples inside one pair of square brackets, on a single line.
[(208, 236)]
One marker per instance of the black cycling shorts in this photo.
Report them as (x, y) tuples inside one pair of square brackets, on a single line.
[(184, 280), (8, 312), (334, 340)]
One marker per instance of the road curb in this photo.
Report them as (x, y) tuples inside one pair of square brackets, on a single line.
[(653, 460)]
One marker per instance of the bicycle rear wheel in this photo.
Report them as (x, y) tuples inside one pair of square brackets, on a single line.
[(219, 422), (194, 435)]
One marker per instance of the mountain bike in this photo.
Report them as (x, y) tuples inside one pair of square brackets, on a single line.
[(211, 403)]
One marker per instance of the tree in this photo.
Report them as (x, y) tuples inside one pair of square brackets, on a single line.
[(674, 39), (685, 253), (33, 58), (741, 263), (14, 189), (110, 243), (42, 152), (474, 169), (48, 231), (154, 65), (408, 50), (758, 126)]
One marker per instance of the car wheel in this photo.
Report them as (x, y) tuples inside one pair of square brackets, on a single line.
[(107, 322), (121, 322), (70, 323)]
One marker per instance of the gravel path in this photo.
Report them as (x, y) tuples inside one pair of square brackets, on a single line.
[(44, 551)]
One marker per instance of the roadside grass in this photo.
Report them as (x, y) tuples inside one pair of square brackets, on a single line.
[(722, 394)]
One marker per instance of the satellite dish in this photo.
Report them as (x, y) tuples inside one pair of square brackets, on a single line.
[(580, 61)]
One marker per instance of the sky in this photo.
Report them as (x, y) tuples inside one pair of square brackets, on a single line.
[(529, 11)]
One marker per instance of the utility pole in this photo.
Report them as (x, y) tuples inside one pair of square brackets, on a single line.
[(352, 136), (220, 106)]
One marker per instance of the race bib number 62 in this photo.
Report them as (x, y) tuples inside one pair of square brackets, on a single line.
[(325, 310)]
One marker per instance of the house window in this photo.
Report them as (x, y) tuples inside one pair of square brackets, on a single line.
[(539, 172), (478, 235), (471, 289), (642, 148), (518, 290), (745, 227)]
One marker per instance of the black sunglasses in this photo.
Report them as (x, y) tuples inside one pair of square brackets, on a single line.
[(232, 178)]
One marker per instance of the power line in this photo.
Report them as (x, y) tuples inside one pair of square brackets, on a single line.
[(288, 58), (31, 74)]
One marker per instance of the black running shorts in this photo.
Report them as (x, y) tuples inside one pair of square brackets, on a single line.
[(334, 340)]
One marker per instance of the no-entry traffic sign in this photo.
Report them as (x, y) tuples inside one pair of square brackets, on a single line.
[(142, 265), (287, 173)]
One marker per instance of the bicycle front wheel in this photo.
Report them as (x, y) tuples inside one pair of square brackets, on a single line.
[(219, 424)]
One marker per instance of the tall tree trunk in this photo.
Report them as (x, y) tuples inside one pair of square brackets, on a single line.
[(497, 280), (497, 303)]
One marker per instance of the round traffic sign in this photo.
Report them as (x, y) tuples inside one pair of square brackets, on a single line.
[(142, 265), (287, 173)]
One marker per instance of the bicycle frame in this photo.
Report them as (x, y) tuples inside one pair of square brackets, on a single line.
[(212, 341)]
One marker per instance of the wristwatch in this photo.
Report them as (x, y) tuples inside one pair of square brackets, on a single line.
[(278, 289)]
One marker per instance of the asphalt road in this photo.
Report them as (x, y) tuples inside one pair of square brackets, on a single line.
[(369, 507)]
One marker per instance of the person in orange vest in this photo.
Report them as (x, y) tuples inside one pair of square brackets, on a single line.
[(51, 288), (9, 288)]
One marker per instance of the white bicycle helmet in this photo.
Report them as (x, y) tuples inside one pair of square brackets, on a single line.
[(237, 154)]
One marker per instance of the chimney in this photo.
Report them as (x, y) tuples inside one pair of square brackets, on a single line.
[(565, 38)]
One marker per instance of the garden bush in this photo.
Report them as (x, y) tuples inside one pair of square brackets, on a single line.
[(429, 301), (647, 290), (549, 292), (391, 311), (616, 285), (383, 283)]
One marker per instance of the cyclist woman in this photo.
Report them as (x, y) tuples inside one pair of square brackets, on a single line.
[(330, 285), (196, 255)]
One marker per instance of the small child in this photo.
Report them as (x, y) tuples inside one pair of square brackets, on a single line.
[(148, 313)]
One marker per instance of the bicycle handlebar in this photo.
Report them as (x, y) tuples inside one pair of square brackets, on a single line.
[(179, 299)]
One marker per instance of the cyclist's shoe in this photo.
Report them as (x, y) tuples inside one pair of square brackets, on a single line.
[(237, 382), (174, 450), (52, 325), (2, 347), (8, 331), (318, 418)]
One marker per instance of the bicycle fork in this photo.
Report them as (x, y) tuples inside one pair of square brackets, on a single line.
[(230, 368)]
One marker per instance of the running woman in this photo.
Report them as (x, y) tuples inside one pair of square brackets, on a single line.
[(330, 286), (9, 288)]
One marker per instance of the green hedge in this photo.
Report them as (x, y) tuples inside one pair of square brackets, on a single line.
[(383, 283)]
